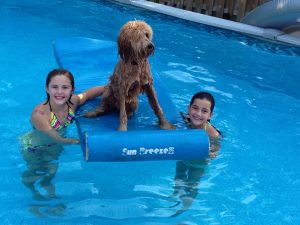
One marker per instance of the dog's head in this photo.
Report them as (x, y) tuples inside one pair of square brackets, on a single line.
[(135, 41)]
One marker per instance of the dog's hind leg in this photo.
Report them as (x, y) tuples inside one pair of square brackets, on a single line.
[(98, 112), (105, 105), (131, 108)]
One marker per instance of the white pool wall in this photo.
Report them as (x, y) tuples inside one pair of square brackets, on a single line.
[(266, 33)]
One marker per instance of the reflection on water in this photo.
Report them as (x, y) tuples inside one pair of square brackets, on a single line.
[(186, 182), (41, 167)]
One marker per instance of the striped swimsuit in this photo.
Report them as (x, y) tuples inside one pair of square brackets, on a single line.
[(26, 140), (56, 124)]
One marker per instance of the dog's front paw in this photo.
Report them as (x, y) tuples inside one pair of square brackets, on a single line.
[(122, 128), (166, 125)]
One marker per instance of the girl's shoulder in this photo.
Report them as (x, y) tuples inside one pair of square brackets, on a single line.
[(40, 110), (40, 117), (212, 131)]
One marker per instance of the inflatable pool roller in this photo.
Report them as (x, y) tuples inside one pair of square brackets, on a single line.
[(91, 62)]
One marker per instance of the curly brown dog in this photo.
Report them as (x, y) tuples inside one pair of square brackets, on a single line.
[(131, 76)]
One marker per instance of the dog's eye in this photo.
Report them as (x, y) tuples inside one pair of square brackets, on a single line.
[(147, 35)]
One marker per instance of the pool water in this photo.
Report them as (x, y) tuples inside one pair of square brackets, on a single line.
[(254, 180)]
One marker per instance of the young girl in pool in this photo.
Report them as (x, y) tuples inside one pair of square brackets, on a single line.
[(51, 117), (42, 147), (189, 172), (200, 111)]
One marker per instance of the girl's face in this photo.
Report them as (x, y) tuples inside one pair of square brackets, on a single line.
[(199, 112), (59, 89)]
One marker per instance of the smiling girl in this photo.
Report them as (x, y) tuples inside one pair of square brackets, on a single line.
[(58, 111), (189, 172), (200, 111), (42, 147)]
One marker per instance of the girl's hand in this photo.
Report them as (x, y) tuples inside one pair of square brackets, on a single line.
[(213, 154), (73, 141)]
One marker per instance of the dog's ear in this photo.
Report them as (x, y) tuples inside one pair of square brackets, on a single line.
[(125, 49)]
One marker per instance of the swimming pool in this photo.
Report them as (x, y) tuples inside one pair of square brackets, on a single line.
[(254, 180)]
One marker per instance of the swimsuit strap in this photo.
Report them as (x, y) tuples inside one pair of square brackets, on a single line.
[(205, 125), (56, 124)]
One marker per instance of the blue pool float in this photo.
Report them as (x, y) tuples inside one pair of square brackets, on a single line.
[(91, 61)]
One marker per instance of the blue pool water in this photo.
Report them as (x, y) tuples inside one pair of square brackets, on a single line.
[(254, 180)]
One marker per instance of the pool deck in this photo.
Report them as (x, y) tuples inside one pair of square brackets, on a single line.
[(265, 33)]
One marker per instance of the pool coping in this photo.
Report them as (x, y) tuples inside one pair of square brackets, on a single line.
[(265, 33)]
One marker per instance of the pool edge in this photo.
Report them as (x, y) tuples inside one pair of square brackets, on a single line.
[(266, 33)]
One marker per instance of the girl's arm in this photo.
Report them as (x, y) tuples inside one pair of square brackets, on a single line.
[(214, 138), (41, 123), (90, 94), (214, 146)]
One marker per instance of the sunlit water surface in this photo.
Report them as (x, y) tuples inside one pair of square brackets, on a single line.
[(255, 178)]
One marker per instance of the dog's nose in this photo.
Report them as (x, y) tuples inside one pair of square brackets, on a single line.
[(150, 47)]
